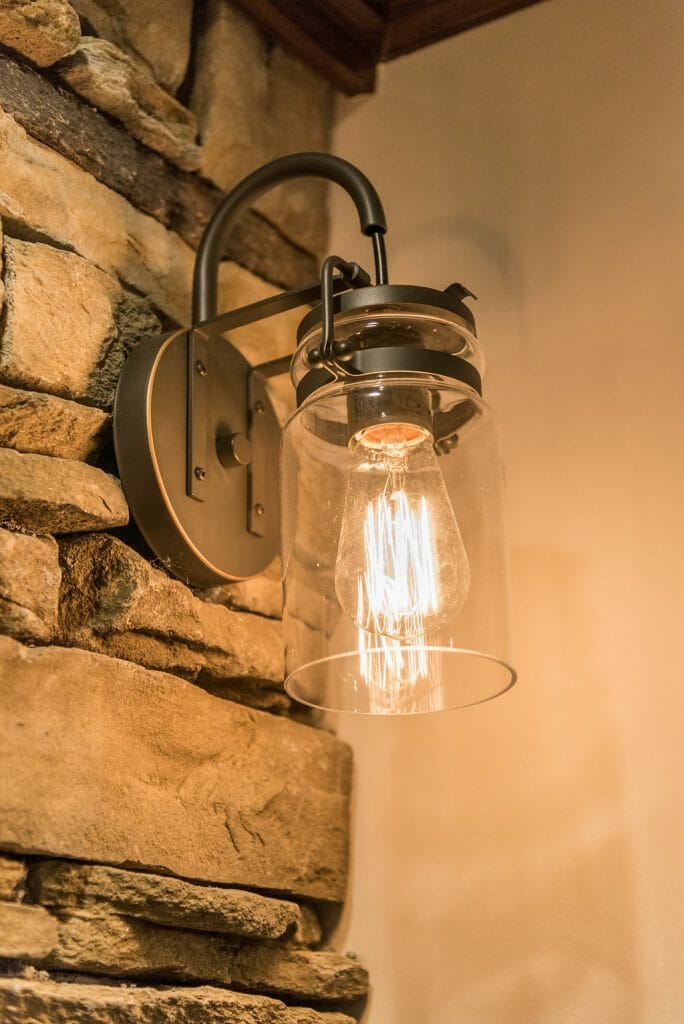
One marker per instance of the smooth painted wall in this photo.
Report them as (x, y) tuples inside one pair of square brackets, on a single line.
[(522, 862)]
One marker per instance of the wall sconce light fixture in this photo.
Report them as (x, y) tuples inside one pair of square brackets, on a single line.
[(390, 511)]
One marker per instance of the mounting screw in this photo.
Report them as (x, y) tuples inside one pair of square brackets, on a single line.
[(200, 473), (201, 368), (259, 509), (259, 406)]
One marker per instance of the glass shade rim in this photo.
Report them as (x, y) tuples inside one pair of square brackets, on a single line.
[(510, 681)]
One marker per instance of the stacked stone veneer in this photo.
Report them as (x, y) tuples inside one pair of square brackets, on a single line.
[(171, 828)]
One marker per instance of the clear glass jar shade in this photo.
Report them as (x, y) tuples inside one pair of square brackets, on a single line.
[(357, 521)]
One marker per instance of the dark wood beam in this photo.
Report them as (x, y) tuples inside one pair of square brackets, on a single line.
[(340, 39), (411, 26), (344, 40)]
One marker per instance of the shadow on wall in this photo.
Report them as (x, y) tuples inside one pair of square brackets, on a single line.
[(493, 868)]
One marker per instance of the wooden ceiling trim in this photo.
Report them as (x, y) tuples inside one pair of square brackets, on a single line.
[(351, 69), (412, 26), (344, 40)]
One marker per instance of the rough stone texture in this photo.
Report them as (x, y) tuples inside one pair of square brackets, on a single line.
[(39, 494), (85, 216), (124, 947), (45, 1002), (123, 87), (150, 772), (156, 30), (163, 900), (309, 931), (114, 601), (68, 326), (181, 201), (262, 594), (254, 104), (12, 878), (44, 425), (26, 932), (42, 30), (2, 282), (29, 586)]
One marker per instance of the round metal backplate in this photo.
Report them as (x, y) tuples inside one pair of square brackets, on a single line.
[(208, 541)]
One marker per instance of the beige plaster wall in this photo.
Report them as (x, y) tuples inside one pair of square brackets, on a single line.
[(522, 862)]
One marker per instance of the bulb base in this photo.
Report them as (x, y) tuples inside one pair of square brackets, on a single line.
[(370, 409)]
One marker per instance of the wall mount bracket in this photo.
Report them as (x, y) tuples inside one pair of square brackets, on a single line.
[(195, 433)]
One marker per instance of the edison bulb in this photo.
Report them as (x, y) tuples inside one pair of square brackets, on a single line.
[(402, 570)]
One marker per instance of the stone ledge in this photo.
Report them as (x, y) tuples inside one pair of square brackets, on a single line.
[(113, 601), (26, 933), (134, 25), (39, 494), (140, 764), (262, 594), (124, 88), (29, 586), (125, 947), (48, 1002), (162, 900), (41, 424)]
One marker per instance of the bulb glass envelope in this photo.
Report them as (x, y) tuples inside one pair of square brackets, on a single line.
[(386, 478)]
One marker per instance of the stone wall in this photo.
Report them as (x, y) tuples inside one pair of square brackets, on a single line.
[(173, 832)]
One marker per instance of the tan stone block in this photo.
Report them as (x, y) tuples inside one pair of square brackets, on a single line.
[(124, 947), (123, 87), (156, 30), (49, 1002), (26, 933), (254, 104), (39, 494), (45, 425), (261, 594), (164, 900), (110, 594), (102, 226), (29, 585), (12, 877), (96, 222), (111, 763), (42, 30), (68, 326)]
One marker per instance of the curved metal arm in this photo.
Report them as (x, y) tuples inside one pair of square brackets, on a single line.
[(318, 165)]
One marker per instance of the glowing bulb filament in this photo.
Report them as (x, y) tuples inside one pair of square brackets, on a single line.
[(399, 586)]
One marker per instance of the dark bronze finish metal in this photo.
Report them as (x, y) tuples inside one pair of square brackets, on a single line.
[(395, 360), (316, 165), (202, 542), (205, 282), (365, 299), (234, 449), (198, 390)]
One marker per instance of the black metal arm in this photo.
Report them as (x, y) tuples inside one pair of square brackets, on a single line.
[(319, 165)]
